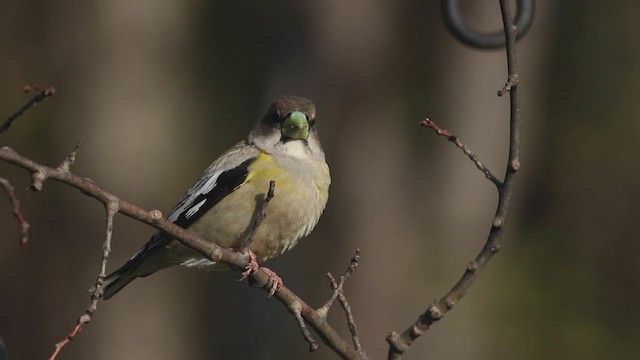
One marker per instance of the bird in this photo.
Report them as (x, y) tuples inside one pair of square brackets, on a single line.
[(222, 206)]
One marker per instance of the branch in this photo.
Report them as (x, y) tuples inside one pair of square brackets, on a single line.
[(323, 311), (98, 291), (400, 343), (41, 95), (481, 40), (296, 310), (252, 265), (262, 213), (15, 208), (338, 293), (454, 139), (213, 252)]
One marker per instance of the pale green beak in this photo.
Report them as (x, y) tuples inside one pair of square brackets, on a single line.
[(296, 126)]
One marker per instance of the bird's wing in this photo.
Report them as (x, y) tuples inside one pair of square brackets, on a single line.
[(225, 175), (210, 189)]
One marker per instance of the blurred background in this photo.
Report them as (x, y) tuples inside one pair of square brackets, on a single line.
[(155, 90)]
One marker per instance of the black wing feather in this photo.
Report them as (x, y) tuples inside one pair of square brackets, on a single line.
[(225, 184)]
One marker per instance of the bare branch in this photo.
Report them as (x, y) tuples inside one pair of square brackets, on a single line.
[(511, 82), (15, 208), (252, 265), (66, 164), (353, 328), (337, 287), (295, 309), (483, 40), (400, 343), (112, 209), (454, 139), (262, 213), (41, 95), (72, 335)]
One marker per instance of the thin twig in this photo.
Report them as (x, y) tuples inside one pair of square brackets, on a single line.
[(252, 265), (296, 310), (41, 95), (511, 82), (337, 287), (212, 251), (262, 213), (400, 342), (15, 209), (323, 311), (353, 328), (98, 289), (454, 139), (66, 164), (69, 338)]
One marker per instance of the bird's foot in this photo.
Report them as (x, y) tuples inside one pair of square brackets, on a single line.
[(253, 266), (275, 281)]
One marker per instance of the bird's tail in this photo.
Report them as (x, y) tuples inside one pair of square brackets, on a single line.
[(116, 281), (146, 261)]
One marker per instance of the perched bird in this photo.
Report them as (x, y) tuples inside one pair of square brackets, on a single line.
[(222, 206)]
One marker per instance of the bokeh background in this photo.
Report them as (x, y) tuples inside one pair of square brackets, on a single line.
[(155, 90)]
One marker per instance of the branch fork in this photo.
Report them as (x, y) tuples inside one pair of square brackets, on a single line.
[(399, 343)]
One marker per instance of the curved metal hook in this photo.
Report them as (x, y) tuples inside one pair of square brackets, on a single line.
[(456, 25)]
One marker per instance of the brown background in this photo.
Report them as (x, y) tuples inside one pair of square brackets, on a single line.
[(156, 90)]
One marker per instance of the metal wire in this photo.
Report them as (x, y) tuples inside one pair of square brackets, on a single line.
[(469, 36)]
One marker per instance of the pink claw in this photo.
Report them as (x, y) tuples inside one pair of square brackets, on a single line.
[(274, 279), (253, 266)]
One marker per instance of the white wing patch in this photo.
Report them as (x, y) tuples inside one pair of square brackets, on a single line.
[(194, 209), (204, 186), (198, 263)]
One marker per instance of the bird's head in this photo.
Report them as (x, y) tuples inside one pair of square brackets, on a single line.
[(289, 121)]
